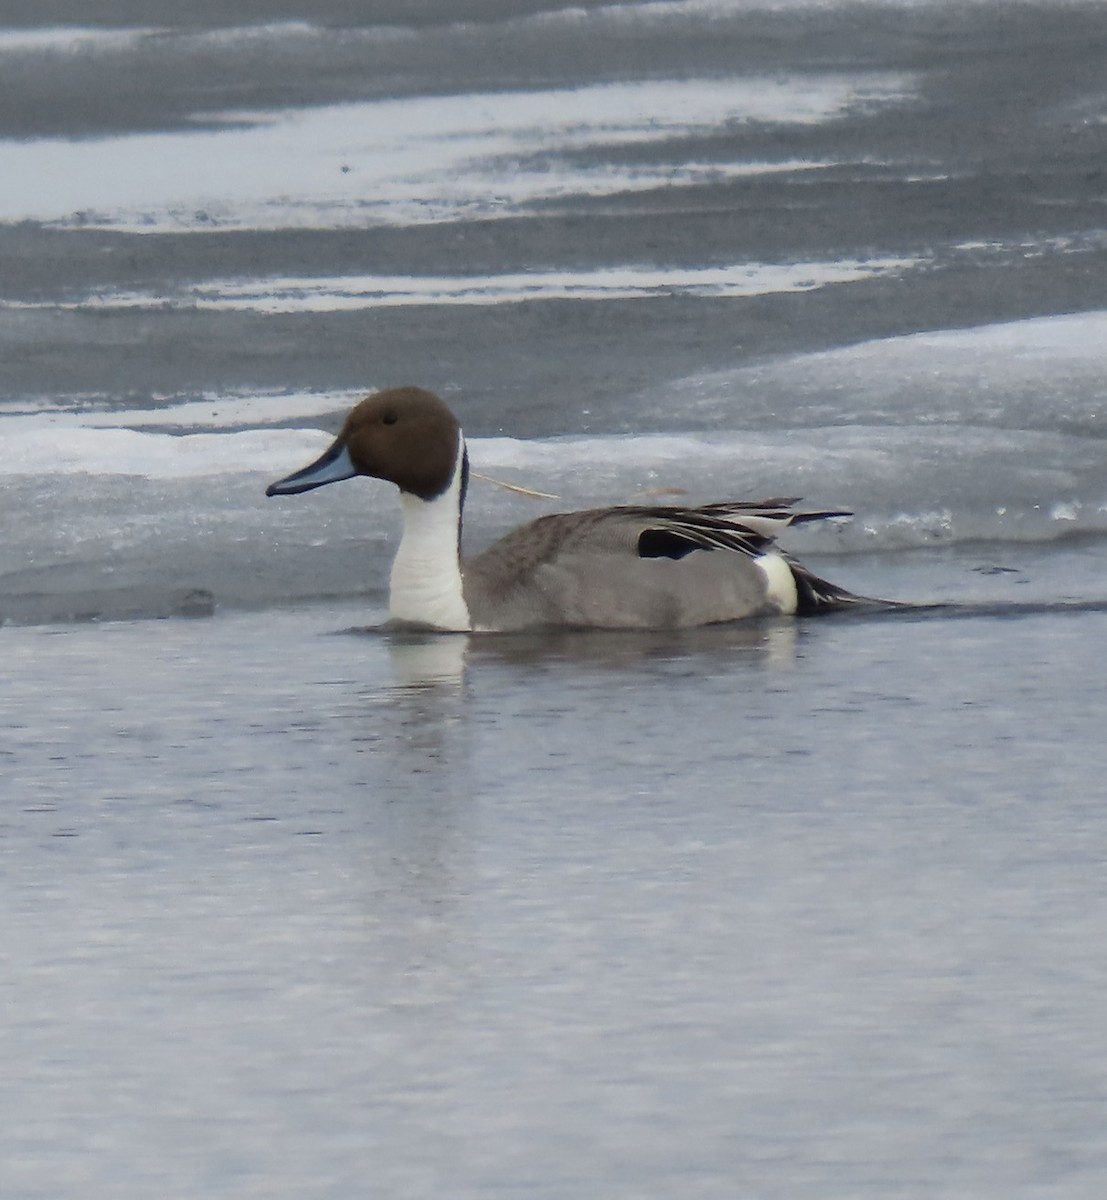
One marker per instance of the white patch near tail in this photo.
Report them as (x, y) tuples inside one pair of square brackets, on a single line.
[(780, 583)]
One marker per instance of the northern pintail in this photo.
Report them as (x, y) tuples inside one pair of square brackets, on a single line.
[(630, 567)]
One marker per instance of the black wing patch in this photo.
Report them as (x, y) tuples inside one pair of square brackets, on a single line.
[(742, 527), (665, 543), (675, 532)]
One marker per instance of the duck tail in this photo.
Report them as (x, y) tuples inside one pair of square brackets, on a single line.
[(816, 596)]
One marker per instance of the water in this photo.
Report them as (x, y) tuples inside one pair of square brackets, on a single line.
[(776, 910), (806, 911)]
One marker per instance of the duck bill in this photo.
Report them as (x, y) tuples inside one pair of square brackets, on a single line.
[(332, 467)]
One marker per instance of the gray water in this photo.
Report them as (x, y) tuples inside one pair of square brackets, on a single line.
[(294, 907), (767, 911)]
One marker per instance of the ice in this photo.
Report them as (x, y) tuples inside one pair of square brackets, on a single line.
[(1049, 373), (429, 158), (328, 294), (991, 436), (69, 39), (126, 519), (54, 451)]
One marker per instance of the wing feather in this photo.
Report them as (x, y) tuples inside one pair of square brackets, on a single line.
[(743, 527)]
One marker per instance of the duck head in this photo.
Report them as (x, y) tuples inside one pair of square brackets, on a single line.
[(405, 435)]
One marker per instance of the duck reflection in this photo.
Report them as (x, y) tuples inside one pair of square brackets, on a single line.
[(426, 659)]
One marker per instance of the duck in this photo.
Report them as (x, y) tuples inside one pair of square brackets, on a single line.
[(624, 567)]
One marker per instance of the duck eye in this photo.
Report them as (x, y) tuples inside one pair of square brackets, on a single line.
[(389, 418)]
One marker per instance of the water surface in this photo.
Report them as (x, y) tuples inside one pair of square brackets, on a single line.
[(802, 911)]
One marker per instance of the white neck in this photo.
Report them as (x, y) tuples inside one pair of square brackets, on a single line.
[(425, 586)]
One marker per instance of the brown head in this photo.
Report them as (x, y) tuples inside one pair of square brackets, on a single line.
[(405, 435)]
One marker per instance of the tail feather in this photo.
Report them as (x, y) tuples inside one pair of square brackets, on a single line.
[(816, 596)]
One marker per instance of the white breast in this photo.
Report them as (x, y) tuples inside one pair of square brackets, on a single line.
[(425, 585)]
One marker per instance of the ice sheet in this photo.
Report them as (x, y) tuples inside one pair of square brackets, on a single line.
[(429, 158)]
